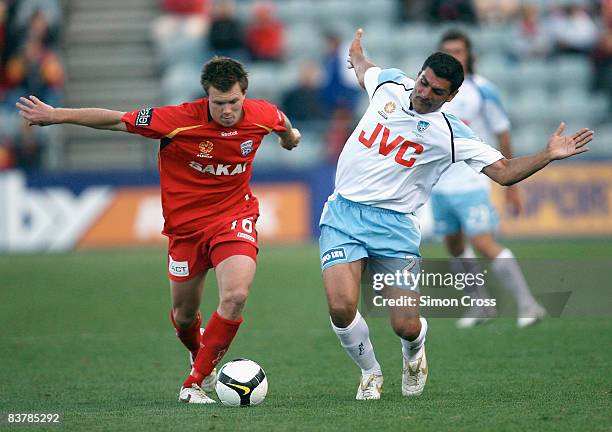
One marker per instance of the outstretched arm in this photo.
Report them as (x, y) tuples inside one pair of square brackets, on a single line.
[(514, 202), (357, 59), (507, 172), (38, 113), (289, 138)]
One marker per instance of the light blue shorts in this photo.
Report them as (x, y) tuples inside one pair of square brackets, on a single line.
[(470, 212), (351, 231)]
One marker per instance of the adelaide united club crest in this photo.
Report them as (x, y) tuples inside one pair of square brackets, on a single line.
[(205, 148), (246, 147)]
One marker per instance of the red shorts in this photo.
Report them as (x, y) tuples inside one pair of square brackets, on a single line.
[(193, 253)]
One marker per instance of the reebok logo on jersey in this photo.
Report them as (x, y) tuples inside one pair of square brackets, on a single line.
[(336, 254), (178, 268), (219, 169), (230, 133), (144, 117)]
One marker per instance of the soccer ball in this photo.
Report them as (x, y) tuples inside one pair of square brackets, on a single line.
[(241, 382)]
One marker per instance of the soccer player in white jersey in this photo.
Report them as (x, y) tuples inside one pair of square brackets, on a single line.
[(461, 204), (398, 151)]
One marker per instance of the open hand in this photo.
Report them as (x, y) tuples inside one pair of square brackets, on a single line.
[(35, 111), (564, 146), (355, 47)]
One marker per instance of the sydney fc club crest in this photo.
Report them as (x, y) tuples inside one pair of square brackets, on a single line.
[(422, 125), (246, 147)]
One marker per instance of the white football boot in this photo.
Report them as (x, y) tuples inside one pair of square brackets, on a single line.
[(194, 395), (210, 381), (414, 376), (370, 387), (530, 316), (474, 316)]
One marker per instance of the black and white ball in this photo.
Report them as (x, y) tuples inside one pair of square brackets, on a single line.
[(241, 382)]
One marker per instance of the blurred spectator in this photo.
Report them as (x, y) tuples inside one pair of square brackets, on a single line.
[(413, 10), (452, 10), (226, 34), (27, 8), (602, 55), (49, 15), (35, 69), (340, 128), (303, 102), (495, 11), (181, 30), (530, 38), (265, 34), (3, 18), (340, 88), (572, 29)]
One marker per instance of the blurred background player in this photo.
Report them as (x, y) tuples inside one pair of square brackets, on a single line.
[(205, 161), (462, 209), (401, 146)]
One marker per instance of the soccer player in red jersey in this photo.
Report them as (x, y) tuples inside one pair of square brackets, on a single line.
[(205, 155)]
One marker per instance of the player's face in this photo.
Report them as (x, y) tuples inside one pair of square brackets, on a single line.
[(430, 92), (457, 49), (226, 107)]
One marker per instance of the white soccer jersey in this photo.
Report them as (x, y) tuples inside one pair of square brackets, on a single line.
[(478, 105), (396, 155)]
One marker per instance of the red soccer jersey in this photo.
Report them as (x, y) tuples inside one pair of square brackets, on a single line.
[(204, 168)]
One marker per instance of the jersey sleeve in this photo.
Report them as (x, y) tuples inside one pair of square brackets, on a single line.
[(155, 122), (469, 148), (270, 117), (376, 76), (492, 108)]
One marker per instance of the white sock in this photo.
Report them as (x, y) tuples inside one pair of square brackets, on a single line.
[(510, 275), (412, 350), (467, 263), (355, 339)]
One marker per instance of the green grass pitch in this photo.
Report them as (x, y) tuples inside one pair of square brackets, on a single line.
[(88, 334)]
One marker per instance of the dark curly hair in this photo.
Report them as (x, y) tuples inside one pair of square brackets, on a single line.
[(445, 66), (222, 73)]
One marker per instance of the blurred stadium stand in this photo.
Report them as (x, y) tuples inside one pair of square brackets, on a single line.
[(113, 61)]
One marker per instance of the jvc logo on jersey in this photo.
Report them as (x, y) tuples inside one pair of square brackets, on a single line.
[(385, 147), (178, 268), (144, 117), (336, 254), (219, 169)]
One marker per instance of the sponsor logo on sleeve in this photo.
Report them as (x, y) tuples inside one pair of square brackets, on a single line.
[(144, 117), (246, 236), (336, 254), (178, 268)]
